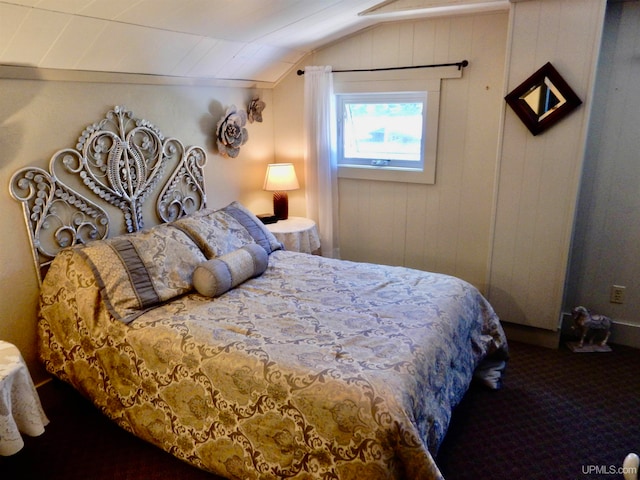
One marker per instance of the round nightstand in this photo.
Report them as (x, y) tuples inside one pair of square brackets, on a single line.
[(20, 408), (297, 234)]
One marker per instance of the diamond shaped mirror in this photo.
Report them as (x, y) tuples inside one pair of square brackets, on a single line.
[(542, 99)]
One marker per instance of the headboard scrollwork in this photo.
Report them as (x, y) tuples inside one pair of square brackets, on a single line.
[(116, 166)]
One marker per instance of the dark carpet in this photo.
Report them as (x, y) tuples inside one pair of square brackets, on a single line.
[(560, 415)]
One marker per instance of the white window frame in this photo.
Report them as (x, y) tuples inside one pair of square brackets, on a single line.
[(427, 82)]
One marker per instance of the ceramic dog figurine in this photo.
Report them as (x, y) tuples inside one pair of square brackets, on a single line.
[(586, 322)]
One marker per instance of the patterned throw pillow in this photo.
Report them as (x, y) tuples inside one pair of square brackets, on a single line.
[(216, 232), (140, 270), (254, 226), (219, 275)]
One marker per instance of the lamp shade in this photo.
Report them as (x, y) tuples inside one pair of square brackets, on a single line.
[(280, 177)]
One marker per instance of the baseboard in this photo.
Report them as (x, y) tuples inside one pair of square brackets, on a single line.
[(531, 335)]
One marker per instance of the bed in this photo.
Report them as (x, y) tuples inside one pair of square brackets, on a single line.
[(203, 336)]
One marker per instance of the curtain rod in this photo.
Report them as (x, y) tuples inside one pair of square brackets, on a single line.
[(460, 65)]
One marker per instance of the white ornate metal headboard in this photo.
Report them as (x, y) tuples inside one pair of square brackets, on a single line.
[(113, 171)]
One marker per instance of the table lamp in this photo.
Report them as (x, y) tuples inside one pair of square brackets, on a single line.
[(280, 178)]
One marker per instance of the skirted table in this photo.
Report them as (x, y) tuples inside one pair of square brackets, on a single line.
[(297, 234), (20, 407)]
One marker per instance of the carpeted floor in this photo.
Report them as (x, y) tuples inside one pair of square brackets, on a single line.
[(560, 415)]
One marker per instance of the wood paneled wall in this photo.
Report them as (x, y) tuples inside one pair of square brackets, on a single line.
[(443, 227), (501, 212), (539, 176)]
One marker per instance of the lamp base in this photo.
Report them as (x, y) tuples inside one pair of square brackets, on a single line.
[(281, 205)]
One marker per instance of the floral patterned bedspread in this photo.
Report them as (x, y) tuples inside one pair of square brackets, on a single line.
[(317, 369)]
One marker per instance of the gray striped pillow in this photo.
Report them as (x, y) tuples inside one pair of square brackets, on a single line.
[(219, 275), (140, 270)]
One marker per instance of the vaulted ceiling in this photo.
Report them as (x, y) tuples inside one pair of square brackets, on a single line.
[(256, 40)]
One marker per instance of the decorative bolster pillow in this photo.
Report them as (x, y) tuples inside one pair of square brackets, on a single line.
[(218, 275)]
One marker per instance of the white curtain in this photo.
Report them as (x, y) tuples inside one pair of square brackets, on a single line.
[(321, 169)]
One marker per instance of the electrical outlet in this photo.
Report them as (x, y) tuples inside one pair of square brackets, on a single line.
[(616, 295)]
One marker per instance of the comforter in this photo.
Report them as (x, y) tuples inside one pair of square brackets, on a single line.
[(318, 368)]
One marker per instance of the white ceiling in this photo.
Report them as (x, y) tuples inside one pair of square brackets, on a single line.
[(257, 40)]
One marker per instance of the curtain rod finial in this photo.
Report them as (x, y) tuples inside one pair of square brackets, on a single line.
[(300, 72)]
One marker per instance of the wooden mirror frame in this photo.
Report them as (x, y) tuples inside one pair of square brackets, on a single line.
[(533, 120)]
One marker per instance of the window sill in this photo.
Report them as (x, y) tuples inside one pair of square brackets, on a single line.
[(387, 174)]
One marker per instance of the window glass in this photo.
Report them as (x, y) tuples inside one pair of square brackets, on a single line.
[(382, 129)]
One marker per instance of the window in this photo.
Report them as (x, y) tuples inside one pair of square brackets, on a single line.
[(382, 129), (387, 128)]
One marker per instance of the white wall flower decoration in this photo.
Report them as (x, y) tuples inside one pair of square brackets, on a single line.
[(230, 132), (255, 110)]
